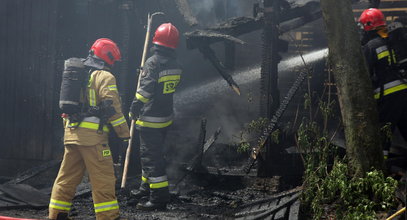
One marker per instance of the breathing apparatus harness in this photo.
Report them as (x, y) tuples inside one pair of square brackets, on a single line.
[(73, 98)]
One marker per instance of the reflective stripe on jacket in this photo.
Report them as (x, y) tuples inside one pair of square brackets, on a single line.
[(88, 122), (390, 88), (101, 86), (382, 66), (161, 76)]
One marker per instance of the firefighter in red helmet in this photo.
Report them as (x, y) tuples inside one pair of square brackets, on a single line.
[(152, 108), (390, 88), (86, 140)]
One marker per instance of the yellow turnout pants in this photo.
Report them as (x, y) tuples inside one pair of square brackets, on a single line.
[(97, 160)]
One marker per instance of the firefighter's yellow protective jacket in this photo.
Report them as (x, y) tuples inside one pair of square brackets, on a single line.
[(101, 86)]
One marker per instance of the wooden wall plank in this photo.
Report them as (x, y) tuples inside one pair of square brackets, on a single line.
[(51, 114), (11, 73), (3, 74)]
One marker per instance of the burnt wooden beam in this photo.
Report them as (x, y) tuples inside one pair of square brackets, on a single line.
[(243, 25), (206, 37), (197, 160), (211, 56)]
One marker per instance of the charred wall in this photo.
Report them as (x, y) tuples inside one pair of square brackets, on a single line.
[(28, 82), (35, 38)]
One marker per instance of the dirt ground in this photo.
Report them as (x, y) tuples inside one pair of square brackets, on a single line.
[(198, 197)]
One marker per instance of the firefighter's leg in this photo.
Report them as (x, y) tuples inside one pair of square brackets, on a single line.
[(69, 176), (144, 189), (402, 123), (153, 164), (389, 112), (99, 163)]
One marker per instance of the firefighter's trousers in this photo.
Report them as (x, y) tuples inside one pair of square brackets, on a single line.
[(97, 160), (154, 176), (393, 109)]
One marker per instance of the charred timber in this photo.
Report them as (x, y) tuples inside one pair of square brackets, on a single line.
[(197, 160), (211, 56), (274, 120), (242, 25), (197, 38)]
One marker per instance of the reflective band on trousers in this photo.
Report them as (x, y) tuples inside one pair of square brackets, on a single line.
[(118, 121), (157, 179), (90, 123), (158, 185), (106, 206), (390, 87), (144, 179), (60, 205), (156, 182)]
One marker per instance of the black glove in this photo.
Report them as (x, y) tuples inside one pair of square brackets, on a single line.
[(135, 109)]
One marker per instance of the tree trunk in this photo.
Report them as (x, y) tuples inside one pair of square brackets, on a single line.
[(358, 107)]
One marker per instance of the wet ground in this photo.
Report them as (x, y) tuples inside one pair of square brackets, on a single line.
[(197, 197)]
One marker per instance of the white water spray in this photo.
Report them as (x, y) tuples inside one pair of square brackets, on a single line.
[(197, 94)]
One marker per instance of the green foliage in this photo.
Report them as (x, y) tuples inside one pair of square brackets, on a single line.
[(254, 129), (275, 136), (243, 147), (333, 190), (326, 108)]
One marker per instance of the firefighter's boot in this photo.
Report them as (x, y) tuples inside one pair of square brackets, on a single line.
[(149, 206), (137, 195)]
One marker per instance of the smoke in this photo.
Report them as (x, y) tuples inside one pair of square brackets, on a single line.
[(216, 101), (301, 2), (199, 6), (193, 97), (211, 12)]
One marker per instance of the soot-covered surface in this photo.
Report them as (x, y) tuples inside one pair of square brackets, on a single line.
[(215, 197)]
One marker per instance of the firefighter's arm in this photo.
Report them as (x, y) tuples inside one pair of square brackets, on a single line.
[(145, 92), (107, 89)]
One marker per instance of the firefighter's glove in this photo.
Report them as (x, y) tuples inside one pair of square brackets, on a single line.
[(135, 109)]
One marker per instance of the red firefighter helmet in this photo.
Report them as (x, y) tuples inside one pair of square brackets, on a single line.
[(106, 50), (371, 19), (166, 35)]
